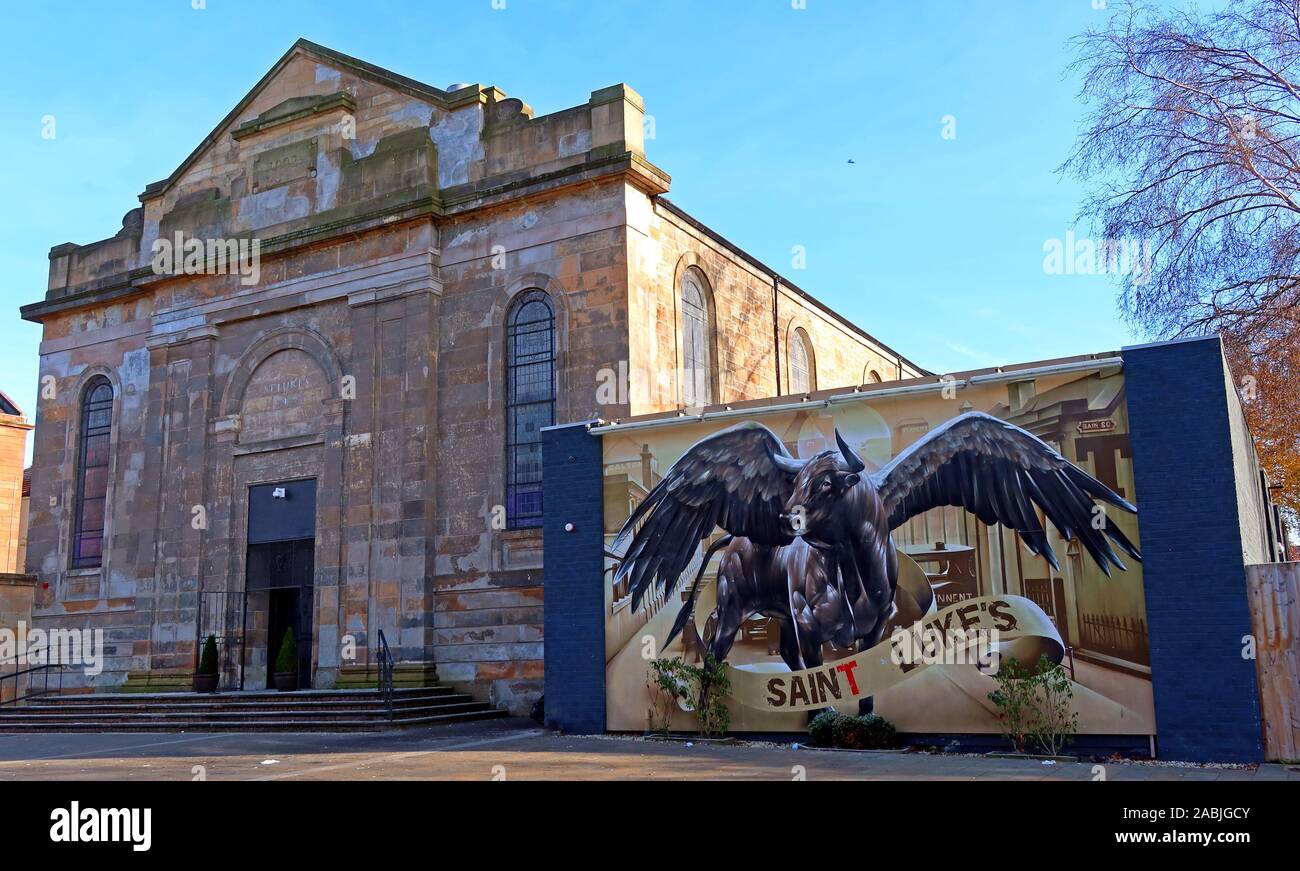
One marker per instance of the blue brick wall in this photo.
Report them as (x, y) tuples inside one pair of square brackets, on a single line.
[(1207, 707), (574, 562)]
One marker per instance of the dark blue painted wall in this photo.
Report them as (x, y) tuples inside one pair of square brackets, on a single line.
[(1207, 706), (574, 563)]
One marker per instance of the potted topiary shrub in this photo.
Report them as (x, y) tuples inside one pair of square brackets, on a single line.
[(286, 663), (207, 678)]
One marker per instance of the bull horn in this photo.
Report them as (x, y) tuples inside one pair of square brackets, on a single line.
[(851, 459), (789, 465)]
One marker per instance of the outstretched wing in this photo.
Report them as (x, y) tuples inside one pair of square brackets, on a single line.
[(730, 479), (999, 472)]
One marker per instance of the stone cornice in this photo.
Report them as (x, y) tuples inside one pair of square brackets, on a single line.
[(396, 291), (199, 321), (294, 109), (196, 334), (465, 199), (483, 195)]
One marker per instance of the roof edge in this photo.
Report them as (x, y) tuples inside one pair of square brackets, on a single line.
[(785, 282), (835, 395), (7, 402)]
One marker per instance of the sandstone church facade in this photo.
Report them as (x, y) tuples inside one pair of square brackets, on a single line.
[(346, 440)]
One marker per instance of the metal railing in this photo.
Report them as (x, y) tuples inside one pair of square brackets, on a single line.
[(385, 659), (1121, 637), (31, 693)]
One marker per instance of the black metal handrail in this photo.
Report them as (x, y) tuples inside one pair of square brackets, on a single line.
[(385, 658), (45, 690)]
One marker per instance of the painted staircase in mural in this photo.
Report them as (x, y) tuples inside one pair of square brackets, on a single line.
[(301, 711)]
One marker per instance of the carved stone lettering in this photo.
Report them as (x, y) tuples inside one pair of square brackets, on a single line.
[(284, 164), (284, 398)]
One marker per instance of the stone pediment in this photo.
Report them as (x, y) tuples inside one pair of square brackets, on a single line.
[(322, 142), (310, 67), (294, 109)]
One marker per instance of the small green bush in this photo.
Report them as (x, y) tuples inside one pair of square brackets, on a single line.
[(667, 683), (288, 659), (704, 688), (1035, 705), (208, 661), (850, 733), (868, 732), (821, 731), (878, 732)]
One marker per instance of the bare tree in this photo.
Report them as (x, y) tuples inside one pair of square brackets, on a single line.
[(1192, 144)]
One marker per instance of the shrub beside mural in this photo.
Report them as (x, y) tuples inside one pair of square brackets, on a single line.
[(880, 555)]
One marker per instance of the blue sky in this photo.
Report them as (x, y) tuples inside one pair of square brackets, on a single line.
[(934, 245)]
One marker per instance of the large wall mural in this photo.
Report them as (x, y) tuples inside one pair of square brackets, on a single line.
[(817, 552)]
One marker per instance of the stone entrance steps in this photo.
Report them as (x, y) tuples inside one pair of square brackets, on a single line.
[(299, 711)]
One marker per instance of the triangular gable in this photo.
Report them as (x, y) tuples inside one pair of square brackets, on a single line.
[(411, 87)]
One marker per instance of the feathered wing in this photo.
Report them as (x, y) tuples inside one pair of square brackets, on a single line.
[(730, 479), (999, 472)]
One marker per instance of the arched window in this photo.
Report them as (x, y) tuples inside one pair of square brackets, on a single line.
[(92, 474), (871, 376), (803, 376), (530, 403), (697, 374)]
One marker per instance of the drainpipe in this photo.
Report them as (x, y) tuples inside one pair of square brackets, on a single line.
[(776, 331)]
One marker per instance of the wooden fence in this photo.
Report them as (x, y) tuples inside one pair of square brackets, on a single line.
[(1275, 619)]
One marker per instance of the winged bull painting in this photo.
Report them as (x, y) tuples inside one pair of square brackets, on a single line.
[(809, 542)]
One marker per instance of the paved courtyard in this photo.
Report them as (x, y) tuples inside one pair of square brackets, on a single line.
[(518, 750)]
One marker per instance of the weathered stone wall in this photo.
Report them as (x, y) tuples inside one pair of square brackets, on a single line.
[(243, 405), (277, 355), (13, 453), (663, 244), (487, 587)]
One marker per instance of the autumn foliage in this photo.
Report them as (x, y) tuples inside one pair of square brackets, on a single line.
[(1267, 381)]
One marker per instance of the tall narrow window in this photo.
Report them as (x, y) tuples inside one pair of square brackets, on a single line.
[(802, 376), (92, 474), (530, 403), (697, 377)]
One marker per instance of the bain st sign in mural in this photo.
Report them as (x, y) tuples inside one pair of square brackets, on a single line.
[(883, 554)]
